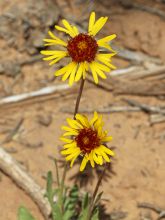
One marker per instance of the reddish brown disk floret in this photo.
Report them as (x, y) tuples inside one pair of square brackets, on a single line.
[(82, 48), (87, 140)]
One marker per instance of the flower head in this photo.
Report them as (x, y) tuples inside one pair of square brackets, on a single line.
[(87, 139), (83, 50)]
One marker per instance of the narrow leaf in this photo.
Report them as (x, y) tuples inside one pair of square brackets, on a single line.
[(24, 214), (49, 187)]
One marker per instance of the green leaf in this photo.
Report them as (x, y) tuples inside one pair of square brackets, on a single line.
[(95, 215), (49, 191), (85, 207), (85, 201), (70, 202), (68, 214), (56, 212), (24, 214), (98, 198)]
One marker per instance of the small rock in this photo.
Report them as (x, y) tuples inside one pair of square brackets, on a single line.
[(45, 120), (11, 68), (32, 143)]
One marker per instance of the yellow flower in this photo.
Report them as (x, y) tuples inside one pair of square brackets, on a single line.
[(83, 49), (87, 139)]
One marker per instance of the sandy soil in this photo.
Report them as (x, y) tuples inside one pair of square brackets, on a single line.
[(139, 162)]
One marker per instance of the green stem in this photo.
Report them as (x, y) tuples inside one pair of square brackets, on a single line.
[(92, 203)]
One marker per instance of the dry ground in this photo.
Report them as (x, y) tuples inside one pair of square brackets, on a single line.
[(139, 164)]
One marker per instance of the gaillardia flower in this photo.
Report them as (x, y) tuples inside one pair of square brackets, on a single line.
[(83, 49), (87, 139)]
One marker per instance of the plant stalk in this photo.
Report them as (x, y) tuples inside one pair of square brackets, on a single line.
[(79, 97), (65, 168), (92, 203)]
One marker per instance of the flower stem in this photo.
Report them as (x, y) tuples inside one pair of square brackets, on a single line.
[(92, 203), (65, 167), (79, 97), (62, 188), (57, 173)]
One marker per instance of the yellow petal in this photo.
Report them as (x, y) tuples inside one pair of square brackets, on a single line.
[(102, 153), (107, 46), (74, 124), (65, 30), (75, 30), (83, 163), (91, 21), (56, 39), (69, 27), (70, 145), (107, 139), (95, 157), (85, 69), (71, 69), (107, 150), (74, 158), (70, 133), (69, 150), (66, 75), (100, 158), (71, 156), (95, 117), (98, 122), (101, 74), (102, 67), (99, 131), (54, 55), (91, 159), (83, 120), (52, 52), (65, 128), (62, 70), (98, 25), (93, 70), (72, 76), (66, 140), (67, 68), (56, 60), (79, 72), (106, 39), (50, 57), (106, 61)]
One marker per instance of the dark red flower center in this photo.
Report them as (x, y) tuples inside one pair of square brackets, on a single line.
[(87, 140), (82, 48)]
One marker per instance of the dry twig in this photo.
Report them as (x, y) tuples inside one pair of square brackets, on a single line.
[(142, 7), (157, 118), (13, 169), (41, 92), (13, 132), (110, 109), (144, 107), (154, 208)]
